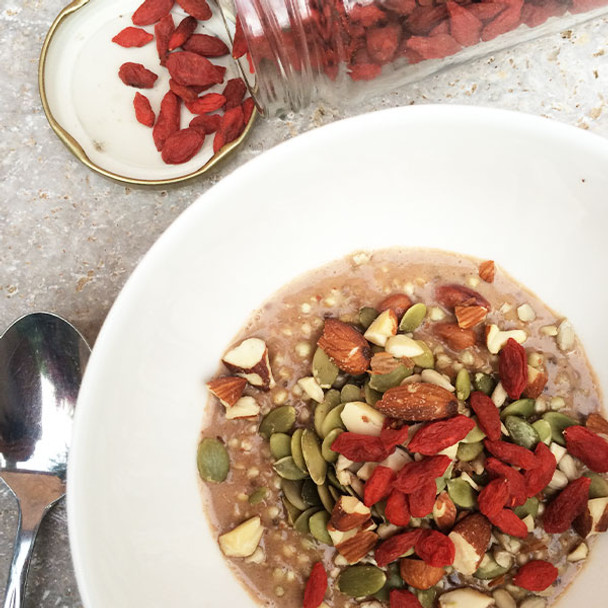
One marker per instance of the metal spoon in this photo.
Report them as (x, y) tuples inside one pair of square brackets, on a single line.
[(42, 359)]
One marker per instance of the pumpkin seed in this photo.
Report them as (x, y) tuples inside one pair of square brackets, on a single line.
[(296, 449), (361, 581), (371, 396), (543, 428), (328, 453), (521, 407), (393, 581), (212, 460), (558, 422), (324, 370), (258, 496), (461, 493), (599, 485), (441, 483), (350, 392), (484, 383), (413, 317), (332, 399), (382, 382), (521, 432), (288, 469), (475, 435), (333, 480), (427, 597), (301, 524), (293, 492), (327, 499), (334, 493), (489, 570), (292, 512), (426, 360), (469, 451), (317, 525), (315, 463), (280, 445), (310, 496), (279, 420), (530, 507), (332, 421), (463, 385), (367, 315)]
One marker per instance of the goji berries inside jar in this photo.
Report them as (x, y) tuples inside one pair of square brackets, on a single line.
[(298, 52)]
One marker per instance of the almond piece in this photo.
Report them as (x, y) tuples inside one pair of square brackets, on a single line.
[(403, 346), (455, 337), (450, 296), (345, 346), (355, 548), (471, 537), (382, 327), (245, 407), (397, 302), (470, 316), (487, 270), (312, 388), (537, 379), (243, 540), (249, 360), (418, 574), (594, 519), (597, 423), (360, 417), (418, 401), (349, 513), (227, 389), (496, 339), (444, 512), (465, 597), (385, 363)]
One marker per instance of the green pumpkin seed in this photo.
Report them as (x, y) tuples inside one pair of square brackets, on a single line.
[(559, 422), (258, 496), (280, 445), (334, 493), (427, 597), (371, 396), (333, 480), (469, 451), (489, 570), (292, 512), (279, 420), (382, 382), (393, 581), (324, 370), (332, 396), (288, 469), (475, 435), (212, 460), (426, 360), (293, 492), (521, 407), (296, 449), (461, 493), (441, 483), (530, 507), (543, 428), (301, 524), (484, 383), (463, 385), (315, 463), (412, 318), (350, 392), (599, 485), (327, 499), (310, 495), (332, 421), (367, 315), (328, 453), (317, 525), (361, 581), (521, 432)]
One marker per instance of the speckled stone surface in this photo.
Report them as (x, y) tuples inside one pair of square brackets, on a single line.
[(69, 238)]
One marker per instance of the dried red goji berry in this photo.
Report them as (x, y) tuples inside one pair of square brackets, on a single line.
[(143, 110), (163, 30), (511, 453), (132, 36), (538, 478), (435, 549), (465, 27), (422, 501), (440, 28), (506, 21), (219, 141), (382, 42), (493, 498), (186, 93), (316, 586), (151, 11), (517, 484), (392, 437), (396, 546), (205, 45), (588, 447), (248, 107), (364, 71), (368, 15), (402, 598), (136, 75), (232, 123), (506, 521), (239, 44), (413, 474), (566, 506), (424, 18), (487, 415), (234, 92), (206, 123), (378, 486), (486, 11), (182, 32), (513, 368), (192, 69), (397, 510), (207, 103), (435, 47), (168, 119), (536, 575), (437, 436), (359, 448), (197, 8), (401, 7), (181, 146)]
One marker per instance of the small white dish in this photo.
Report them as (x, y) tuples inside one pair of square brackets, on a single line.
[(527, 192)]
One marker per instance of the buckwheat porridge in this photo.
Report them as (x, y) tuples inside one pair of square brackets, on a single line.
[(405, 428)]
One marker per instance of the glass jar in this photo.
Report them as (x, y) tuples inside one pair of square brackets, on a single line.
[(294, 53)]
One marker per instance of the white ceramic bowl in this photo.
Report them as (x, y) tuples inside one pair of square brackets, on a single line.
[(524, 191)]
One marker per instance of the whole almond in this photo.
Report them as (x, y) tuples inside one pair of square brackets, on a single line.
[(345, 346), (453, 295), (397, 302), (471, 537), (455, 337), (470, 316), (418, 574), (418, 401), (597, 423)]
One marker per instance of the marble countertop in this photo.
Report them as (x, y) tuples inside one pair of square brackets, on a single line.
[(70, 238)]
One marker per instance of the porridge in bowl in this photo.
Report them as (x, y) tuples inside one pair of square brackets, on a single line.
[(405, 428)]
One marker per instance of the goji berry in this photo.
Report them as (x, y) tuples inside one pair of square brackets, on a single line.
[(392, 437), (397, 302), (465, 27), (368, 15), (401, 7), (506, 21), (422, 501), (513, 368), (219, 141), (364, 71), (182, 32), (538, 478), (248, 107), (511, 453), (234, 92), (566, 506), (151, 11), (206, 123), (359, 448), (316, 586), (397, 510), (487, 415), (378, 486), (396, 546), (181, 146), (441, 28), (163, 30), (132, 36), (205, 45), (206, 104), (136, 75), (192, 69), (435, 549), (437, 436), (536, 575), (508, 522), (588, 447), (382, 42), (486, 11), (186, 93), (493, 498), (413, 474), (517, 484), (168, 119), (232, 123), (424, 18), (239, 44), (402, 598), (197, 8), (143, 110)]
